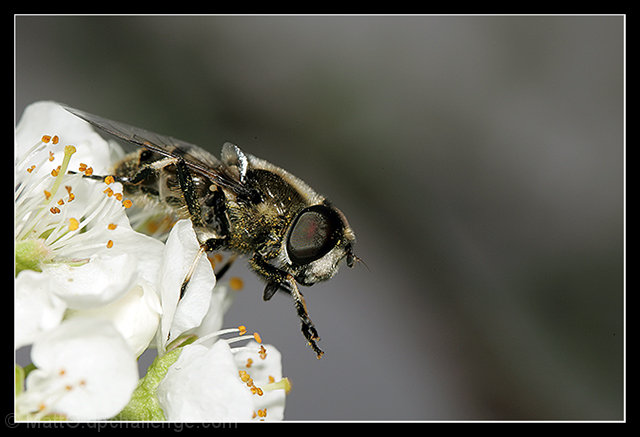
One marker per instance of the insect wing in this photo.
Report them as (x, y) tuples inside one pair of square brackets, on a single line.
[(196, 158)]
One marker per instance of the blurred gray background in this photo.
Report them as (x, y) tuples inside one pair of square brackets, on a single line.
[(480, 161)]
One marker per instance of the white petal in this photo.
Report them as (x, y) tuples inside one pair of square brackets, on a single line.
[(135, 315), (221, 299), (180, 252), (49, 118), (260, 370), (203, 385), (37, 309), (98, 282), (85, 370)]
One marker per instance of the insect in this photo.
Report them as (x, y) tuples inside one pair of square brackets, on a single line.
[(241, 203)]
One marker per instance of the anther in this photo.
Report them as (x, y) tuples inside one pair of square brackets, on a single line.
[(30, 169), (55, 139), (256, 336), (51, 157), (73, 224), (109, 180), (109, 244), (236, 283), (127, 203), (111, 226), (45, 138), (242, 329)]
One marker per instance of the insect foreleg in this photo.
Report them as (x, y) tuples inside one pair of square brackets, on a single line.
[(277, 279), (187, 278)]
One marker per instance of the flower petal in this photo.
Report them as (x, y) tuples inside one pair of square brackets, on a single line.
[(262, 371), (135, 315), (203, 385), (85, 370), (37, 310), (98, 282), (180, 315), (50, 118)]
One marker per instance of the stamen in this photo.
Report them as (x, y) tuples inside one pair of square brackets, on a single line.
[(244, 377), (45, 138), (55, 139), (73, 224), (68, 151), (109, 244), (109, 180), (127, 203), (111, 226), (283, 384), (236, 283), (30, 169), (257, 337)]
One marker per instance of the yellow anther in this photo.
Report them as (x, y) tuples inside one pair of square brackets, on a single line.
[(242, 329), (236, 283), (111, 226), (73, 224), (108, 191), (30, 169), (257, 338), (51, 157), (45, 138), (249, 363), (262, 352), (119, 197), (55, 139), (47, 194), (88, 171), (127, 203), (109, 180), (109, 244)]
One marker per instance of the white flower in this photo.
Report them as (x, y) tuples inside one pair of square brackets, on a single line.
[(85, 371), (75, 248), (91, 295)]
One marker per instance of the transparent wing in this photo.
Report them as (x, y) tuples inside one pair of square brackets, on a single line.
[(197, 159)]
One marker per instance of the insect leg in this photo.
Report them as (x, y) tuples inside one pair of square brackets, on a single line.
[(187, 278), (277, 279)]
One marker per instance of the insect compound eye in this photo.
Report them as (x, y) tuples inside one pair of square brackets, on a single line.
[(313, 234)]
